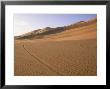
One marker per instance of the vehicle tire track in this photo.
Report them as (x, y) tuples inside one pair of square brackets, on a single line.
[(38, 59)]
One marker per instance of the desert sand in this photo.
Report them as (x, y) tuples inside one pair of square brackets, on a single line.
[(72, 51)]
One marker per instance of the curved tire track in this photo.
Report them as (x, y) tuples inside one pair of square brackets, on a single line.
[(38, 59)]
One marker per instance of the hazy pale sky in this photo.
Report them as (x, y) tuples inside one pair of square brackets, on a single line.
[(24, 23)]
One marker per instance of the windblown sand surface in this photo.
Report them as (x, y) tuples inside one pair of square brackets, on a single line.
[(71, 52)]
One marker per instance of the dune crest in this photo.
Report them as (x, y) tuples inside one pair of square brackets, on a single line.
[(78, 30)]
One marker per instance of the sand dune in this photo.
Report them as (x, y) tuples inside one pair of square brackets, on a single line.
[(69, 52), (79, 29)]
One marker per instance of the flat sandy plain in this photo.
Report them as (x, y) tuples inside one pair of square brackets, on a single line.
[(72, 52)]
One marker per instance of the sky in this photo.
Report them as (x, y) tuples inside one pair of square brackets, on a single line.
[(24, 23)]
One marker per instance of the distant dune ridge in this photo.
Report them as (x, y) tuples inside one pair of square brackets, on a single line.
[(40, 33), (67, 51)]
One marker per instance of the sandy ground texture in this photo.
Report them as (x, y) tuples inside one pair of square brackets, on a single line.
[(71, 52)]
